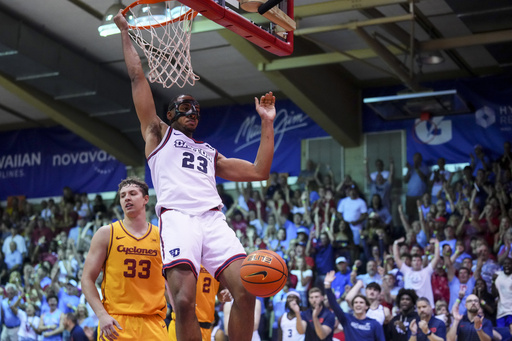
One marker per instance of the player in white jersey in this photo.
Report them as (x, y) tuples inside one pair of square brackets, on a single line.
[(288, 322), (193, 229)]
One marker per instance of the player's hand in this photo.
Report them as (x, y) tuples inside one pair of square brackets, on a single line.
[(108, 328), (120, 21), (317, 310), (266, 106), (224, 296)]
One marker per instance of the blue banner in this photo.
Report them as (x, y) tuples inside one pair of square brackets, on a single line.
[(235, 131), (40, 162), (455, 136)]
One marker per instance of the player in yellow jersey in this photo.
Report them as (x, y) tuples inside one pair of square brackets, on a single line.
[(206, 289), (133, 288)]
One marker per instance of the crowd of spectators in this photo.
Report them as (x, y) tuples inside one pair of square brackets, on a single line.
[(451, 240)]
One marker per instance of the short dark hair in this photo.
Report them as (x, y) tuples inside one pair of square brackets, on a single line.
[(72, 317), (424, 299), (374, 285), (132, 180)]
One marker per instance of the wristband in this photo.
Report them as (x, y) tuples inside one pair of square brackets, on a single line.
[(457, 300), (479, 329), (327, 283), (482, 302), (429, 333), (414, 334)]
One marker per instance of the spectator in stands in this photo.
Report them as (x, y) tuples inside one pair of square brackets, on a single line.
[(486, 267), (16, 237), (462, 281), (416, 180), (354, 211), (11, 322), (487, 300), (380, 182), (306, 175), (439, 281), (502, 283), (342, 278), (416, 277), (479, 161), (320, 248), (317, 323), (376, 310), (398, 328), (370, 276), (288, 322), (426, 327), (304, 276), (470, 326), (438, 178)]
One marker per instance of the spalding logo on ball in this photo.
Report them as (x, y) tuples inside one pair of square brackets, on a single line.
[(264, 273)]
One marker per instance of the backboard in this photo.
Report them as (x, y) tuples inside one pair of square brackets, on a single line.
[(276, 38)]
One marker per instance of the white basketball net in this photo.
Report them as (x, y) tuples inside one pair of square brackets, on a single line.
[(166, 46)]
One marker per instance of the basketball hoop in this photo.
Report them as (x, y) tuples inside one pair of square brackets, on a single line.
[(165, 39)]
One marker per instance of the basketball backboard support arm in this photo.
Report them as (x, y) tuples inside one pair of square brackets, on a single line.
[(244, 27), (274, 14)]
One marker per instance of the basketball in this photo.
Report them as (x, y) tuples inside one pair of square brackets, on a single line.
[(264, 273)]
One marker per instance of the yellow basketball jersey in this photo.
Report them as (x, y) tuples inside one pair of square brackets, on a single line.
[(206, 290), (132, 281)]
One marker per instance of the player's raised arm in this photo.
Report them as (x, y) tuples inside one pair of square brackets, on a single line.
[(240, 170), (141, 91)]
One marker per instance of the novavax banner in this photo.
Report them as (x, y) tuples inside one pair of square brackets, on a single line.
[(40, 162)]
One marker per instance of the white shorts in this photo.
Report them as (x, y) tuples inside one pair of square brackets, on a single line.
[(203, 239)]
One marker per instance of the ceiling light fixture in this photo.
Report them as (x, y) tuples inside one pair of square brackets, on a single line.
[(108, 27), (431, 58)]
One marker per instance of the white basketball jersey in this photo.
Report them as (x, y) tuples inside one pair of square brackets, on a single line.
[(289, 329), (183, 174)]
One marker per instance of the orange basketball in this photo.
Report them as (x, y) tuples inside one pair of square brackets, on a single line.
[(264, 273)]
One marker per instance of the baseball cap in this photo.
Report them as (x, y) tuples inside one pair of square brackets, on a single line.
[(441, 219), (72, 282), (292, 293), (341, 259), (303, 230)]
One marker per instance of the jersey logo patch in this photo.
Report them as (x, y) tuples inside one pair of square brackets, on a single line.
[(120, 237), (174, 252)]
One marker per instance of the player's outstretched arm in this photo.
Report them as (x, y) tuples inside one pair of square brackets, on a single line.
[(94, 262), (240, 170), (141, 91)]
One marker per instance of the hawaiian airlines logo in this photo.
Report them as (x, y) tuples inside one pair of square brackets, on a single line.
[(259, 273), (250, 132), (434, 131), (136, 251), (485, 117)]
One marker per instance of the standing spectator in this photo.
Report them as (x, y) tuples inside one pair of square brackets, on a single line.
[(481, 161), (485, 266), (76, 332), (440, 282), (342, 278), (370, 276), (358, 326), (28, 330), (375, 310), (317, 323), (306, 175), (304, 276), (502, 289), (427, 327), (416, 180), (11, 322), (398, 327), (470, 326), (354, 211), (380, 182), (51, 323), (323, 253), (288, 322), (462, 282), (487, 300), (438, 178), (416, 277)]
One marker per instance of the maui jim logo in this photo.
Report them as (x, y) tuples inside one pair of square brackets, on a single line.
[(250, 132)]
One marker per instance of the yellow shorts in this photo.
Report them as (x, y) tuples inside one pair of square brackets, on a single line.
[(206, 334), (148, 328)]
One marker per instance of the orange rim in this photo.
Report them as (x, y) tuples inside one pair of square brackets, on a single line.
[(188, 15)]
